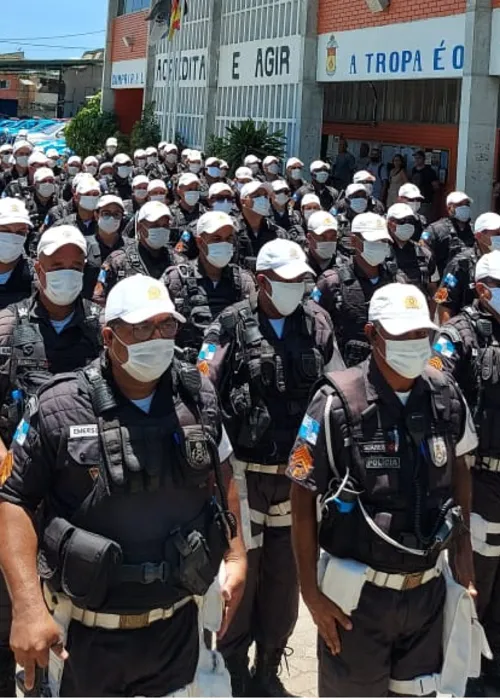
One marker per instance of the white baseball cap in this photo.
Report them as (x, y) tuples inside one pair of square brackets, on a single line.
[(400, 210), (140, 180), (294, 163), (279, 185), (169, 147), (121, 159), (219, 188), (87, 183), (322, 221), (151, 151), (211, 161), (111, 141), (139, 153), (363, 176), (162, 145), (54, 153), (13, 211), (212, 221), (285, 258), (400, 308), (89, 160), (355, 187), (106, 164), (410, 191), (372, 227), (310, 198), (223, 164), (270, 159), (250, 188), (457, 197), (194, 156), (59, 236), (487, 222), (488, 266), (137, 298), (243, 173), (251, 160), (37, 158), (18, 145), (6, 148), (318, 165), (157, 185), (110, 199), (74, 160), (188, 179), (152, 211), (42, 174)]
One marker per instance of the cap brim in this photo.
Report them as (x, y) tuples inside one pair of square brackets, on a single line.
[(372, 236), (292, 270), (400, 326), (16, 220), (152, 309), (51, 248)]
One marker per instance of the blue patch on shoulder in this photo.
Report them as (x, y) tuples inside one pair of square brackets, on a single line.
[(450, 280), (316, 295), (309, 430), (444, 346)]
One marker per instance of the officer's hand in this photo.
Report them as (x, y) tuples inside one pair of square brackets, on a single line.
[(463, 566), (33, 634), (232, 592), (326, 615)]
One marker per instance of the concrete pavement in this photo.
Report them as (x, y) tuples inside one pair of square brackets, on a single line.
[(302, 677)]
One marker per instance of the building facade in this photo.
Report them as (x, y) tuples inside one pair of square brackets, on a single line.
[(399, 74)]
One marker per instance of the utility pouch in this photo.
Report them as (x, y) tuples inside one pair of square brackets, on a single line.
[(195, 569), (254, 427), (90, 564), (355, 351)]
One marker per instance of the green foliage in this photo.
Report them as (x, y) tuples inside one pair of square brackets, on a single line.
[(146, 132), (180, 143), (244, 138), (87, 132)]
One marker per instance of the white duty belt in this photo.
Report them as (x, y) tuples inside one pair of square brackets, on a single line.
[(265, 468), (492, 464), (402, 582)]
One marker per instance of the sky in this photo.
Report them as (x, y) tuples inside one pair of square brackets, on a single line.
[(25, 21)]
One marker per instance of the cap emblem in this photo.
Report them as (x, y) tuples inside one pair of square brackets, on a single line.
[(154, 293), (411, 303)]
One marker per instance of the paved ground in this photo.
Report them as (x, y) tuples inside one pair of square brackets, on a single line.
[(302, 663)]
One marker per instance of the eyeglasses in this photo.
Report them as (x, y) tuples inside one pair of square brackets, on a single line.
[(407, 220), (224, 198), (109, 215), (145, 330)]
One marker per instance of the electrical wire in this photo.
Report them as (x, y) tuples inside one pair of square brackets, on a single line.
[(46, 46), (55, 36)]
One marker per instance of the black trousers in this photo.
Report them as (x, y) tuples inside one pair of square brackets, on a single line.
[(269, 608), (395, 635), (150, 662)]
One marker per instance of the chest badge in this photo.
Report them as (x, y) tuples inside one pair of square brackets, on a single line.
[(197, 453), (438, 451)]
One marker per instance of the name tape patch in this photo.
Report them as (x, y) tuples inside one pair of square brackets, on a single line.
[(78, 431)]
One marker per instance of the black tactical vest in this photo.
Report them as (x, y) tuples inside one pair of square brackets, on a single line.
[(402, 470), (19, 286), (412, 260)]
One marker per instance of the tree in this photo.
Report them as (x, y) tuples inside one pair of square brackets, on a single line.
[(87, 132), (146, 132), (244, 138)]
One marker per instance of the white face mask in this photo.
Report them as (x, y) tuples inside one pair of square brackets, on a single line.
[(158, 237), (151, 159), (375, 252), (261, 206), (414, 205), (194, 168), (226, 205), (368, 188), (111, 150), (495, 243), (274, 168), (358, 204), (254, 168), (140, 194), (108, 224), (192, 197), (124, 171), (296, 173), (463, 213), (73, 170), (147, 361), (404, 231), (213, 171), (11, 246), (286, 296), (140, 162), (171, 158), (220, 254), (157, 197), (321, 176), (89, 202), (281, 199), (46, 189), (91, 169), (307, 213), (494, 302), (22, 161), (408, 358), (63, 286), (6, 159), (326, 249)]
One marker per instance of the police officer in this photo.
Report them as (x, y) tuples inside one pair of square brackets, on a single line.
[(345, 292), (110, 149), (157, 191), (271, 168), (320, 175), (185, 211), (308, 205), (85, 199), (468, 348), (150, 540), (16, 268), (365, 178), (253, 163), (149, 253), (414, 260), (344, 204), (139, 162), (206, 286), (382, 445), (264, 364), (52, 331), (170, 155), (120, 183), (453, 233), (72, 168), (456, 290), (411, 195), (90, 166), (354, 202), (254, 225), (321, 242), (283, 213), (221, 198), (294, 174), (21, 150), (212, 172)]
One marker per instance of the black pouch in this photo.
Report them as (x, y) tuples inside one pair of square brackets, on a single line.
[(195, 568), (195, 455), (90, 566)]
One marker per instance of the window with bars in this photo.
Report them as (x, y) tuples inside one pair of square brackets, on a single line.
[(4, 84), (126, 7)]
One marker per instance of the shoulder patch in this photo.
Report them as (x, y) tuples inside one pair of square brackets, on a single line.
[(309, 430), (441, 296), (425, 236), (203, 367), (444, 346), (450, 280), (6, 467), (21, 432), (207, 351), (436, 362), (301, 463), (102, 276), (316, 294)]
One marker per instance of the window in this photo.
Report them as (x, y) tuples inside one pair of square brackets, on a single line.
[(4, 84), (128, 6)]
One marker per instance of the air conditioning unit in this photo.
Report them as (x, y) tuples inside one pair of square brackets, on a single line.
[(377, 5)]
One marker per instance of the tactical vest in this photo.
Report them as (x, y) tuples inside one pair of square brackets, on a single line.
[(269, 384), (466, 263), (199, 309), (402, 474), (19, 285), (150, 532)]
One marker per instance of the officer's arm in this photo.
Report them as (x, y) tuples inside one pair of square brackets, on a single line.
[(325, 293), (214, 356), (6, 428), (305, 538), (450, 292), (449, 352), (248, 288)]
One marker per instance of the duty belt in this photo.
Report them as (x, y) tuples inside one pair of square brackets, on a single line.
[(110, 621), (490, 463), (264, 468), (402, 582)]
